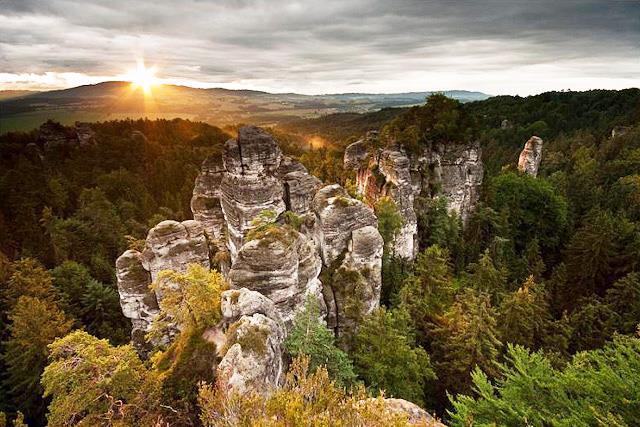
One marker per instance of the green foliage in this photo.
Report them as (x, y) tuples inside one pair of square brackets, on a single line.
[(310, 337), (604, 249), (532, 208), (486, 277), (304, 399), (597, 385), (92, 383), (29, 279), (466, 336), (389, 220), (191, 299), (428, 291), (441, 119), (436, 226), (524, 316), (386, 356), (34, 325)]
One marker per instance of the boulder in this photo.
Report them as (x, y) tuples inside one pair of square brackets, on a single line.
[(415, 414), (530, 157)]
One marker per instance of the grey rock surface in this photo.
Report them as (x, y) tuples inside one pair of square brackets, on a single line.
[(137, 300), (253, 356), (452, 170)]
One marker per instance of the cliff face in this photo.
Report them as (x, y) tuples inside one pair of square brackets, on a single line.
[(273, 268), (452, 170)]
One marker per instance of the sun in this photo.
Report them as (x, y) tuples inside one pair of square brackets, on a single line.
[(143, 77)]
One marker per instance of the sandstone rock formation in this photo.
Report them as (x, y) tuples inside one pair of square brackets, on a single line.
[(346, 231), (530, 157), (452, 170), (137, 300), (170, 245), (273, 267), (283, 265), (173, 245), (253, 353), (205, 203)]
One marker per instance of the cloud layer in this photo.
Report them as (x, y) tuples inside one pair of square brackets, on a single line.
[(325, 46)]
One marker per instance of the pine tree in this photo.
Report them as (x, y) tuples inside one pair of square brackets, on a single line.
[(524, 316), (309, 336), (427, 292), (386, 356), (486, 277), (466, 337), (29, 278)]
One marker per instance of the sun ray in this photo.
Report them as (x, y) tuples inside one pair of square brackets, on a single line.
[(142, 77)]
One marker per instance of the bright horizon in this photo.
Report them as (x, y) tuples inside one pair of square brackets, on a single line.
[(515, 48)]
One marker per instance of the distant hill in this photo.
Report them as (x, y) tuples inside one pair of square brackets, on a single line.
[(114, 100), (8, 94)]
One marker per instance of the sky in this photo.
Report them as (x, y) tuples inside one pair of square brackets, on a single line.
[(325, 46)]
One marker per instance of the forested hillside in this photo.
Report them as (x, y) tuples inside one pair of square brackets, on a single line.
[(529, 314)]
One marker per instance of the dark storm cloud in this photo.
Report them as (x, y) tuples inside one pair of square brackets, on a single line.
[(322, 46)]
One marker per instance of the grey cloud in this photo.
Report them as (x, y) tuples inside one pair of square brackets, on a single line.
[(345, 43)]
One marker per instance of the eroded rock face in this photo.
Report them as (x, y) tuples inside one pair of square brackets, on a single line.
[(243, 199), (205, 203), (283, 266), (530, 157), (351, 246), (137, 300), (452, 170), (173, 245), (277, 262), (254, 339)]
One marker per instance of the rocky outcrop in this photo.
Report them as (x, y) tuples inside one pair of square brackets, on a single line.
[(452, 170), (415, 414), (170, 245), (351, 247), (53, 135), (137, 300), (281, 264), (205, 202), (268, 255), (252, 354), (173, 245), (530, 157)]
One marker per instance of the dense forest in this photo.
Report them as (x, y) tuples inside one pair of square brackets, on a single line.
[(528, 315)]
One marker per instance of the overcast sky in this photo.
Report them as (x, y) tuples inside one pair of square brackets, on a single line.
[(325, 46)]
